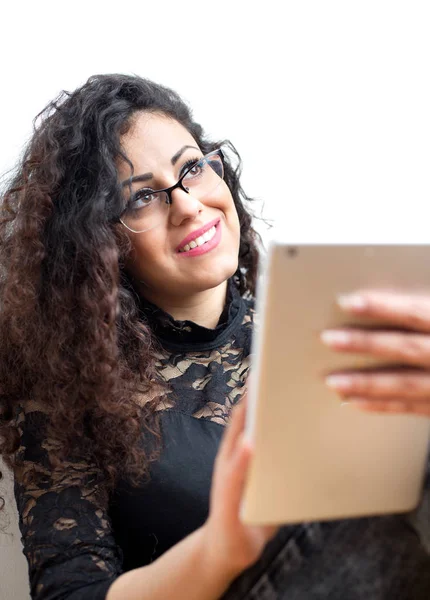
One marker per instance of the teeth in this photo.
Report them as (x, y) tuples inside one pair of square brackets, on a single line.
[(209, 234), (202, 239)]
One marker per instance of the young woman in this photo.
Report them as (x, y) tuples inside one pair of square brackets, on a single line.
[(128, 271)]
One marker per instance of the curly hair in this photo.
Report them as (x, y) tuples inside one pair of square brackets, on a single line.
[(70, 331)]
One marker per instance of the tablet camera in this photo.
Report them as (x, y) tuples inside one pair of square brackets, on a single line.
[(292, 252)]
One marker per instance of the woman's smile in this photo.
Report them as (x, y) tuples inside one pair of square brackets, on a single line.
[(184, 224), (202, 240)]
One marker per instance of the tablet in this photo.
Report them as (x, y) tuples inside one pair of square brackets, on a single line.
[(316, 459)]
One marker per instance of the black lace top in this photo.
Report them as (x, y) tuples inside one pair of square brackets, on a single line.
[(77, 544)]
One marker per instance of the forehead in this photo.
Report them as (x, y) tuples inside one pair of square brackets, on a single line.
[(153, 139)]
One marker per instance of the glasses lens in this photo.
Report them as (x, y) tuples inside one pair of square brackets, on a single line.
[(205, 176), (145, 212)]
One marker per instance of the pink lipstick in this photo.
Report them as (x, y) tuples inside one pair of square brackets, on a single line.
[(207, 246)]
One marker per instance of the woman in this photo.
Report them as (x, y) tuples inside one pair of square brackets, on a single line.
[(129, 267)]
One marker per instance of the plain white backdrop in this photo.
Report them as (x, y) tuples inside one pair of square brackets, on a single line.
[(327, 102)]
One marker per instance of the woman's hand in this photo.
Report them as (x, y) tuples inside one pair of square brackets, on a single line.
[(231, 545), (399, 390)]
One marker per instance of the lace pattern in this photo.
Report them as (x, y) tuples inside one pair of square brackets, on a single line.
[(66, 528), (208, 383), (63, 518)]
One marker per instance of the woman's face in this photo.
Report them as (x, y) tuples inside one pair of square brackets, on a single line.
[(159, 147)]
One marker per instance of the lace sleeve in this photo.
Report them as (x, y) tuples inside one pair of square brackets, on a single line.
[(66, 531)]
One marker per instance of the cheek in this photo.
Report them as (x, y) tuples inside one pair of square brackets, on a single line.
[(235, 222), (143, 257), (225, 202), (220, 198)]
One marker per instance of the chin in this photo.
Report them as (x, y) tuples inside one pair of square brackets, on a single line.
[(211, 279)]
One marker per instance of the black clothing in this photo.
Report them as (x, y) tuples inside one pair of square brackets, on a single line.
[(76, 545)]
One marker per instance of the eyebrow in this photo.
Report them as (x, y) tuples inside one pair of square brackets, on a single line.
[(148, 176), (180, 152)]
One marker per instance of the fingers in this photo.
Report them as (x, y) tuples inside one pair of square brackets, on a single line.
[(403, 390), (392, 406), (234, 429), (408, 348), (238, 474), (387, 391), (410, 311), (231, 465), (399, 385)]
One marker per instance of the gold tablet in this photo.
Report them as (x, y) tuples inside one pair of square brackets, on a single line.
[(314, 458)]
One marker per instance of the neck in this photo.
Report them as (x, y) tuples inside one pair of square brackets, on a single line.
[(203, 308)]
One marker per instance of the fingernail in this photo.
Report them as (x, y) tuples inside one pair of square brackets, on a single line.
[(352, 302), (333, 337), (360, 403), (339, 382)]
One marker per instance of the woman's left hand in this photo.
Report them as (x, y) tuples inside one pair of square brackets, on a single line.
[(397, 390)]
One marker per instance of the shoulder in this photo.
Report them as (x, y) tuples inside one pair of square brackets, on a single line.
[(38, 465)]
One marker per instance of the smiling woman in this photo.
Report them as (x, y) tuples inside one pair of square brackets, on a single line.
[(126, 247), (128, 272), (175, 267)]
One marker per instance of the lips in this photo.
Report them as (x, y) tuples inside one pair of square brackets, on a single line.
[(206, 247), (197, 233)]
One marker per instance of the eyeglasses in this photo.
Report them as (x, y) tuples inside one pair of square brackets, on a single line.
[(148, 208)]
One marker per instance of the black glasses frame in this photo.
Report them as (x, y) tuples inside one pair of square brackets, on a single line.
[(179, 183)]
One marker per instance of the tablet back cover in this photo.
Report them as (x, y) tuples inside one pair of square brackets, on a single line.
[(315, 459)]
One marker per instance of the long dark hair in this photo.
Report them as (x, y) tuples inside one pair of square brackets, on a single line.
[(71, 339)]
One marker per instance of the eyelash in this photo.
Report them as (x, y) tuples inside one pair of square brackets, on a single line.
[(189, 163)]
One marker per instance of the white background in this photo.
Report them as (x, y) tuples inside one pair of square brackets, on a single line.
[(327, 102)]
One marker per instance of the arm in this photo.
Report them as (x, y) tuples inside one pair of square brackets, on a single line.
[(65, 529), (69, 543), (182, 573), (202, 566)]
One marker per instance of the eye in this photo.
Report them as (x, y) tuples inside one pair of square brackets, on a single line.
[(142, 198), (196, 169)]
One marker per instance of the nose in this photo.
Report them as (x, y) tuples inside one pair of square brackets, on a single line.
[(184, 207)]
